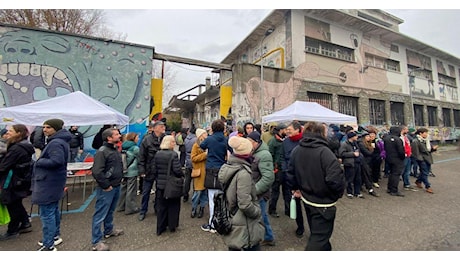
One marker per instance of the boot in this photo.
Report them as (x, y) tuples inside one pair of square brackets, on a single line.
[(193, 213), (201, 212)]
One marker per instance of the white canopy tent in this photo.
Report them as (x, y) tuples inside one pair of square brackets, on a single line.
[(75, 108), (309, 111)]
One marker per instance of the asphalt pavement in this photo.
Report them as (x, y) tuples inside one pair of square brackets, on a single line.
[(417, 222)]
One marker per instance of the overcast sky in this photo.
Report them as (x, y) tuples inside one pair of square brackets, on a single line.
[(211, 34)]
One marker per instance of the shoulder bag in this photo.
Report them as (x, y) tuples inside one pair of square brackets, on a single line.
[(174, 185)]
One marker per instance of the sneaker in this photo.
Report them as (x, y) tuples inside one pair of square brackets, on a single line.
[(429, 190), (141, 216), (208, 228), (399, 194), (408, 187), (57, 241), (44, 248), (373, 193), (360, 196), (350, 196), (419, 185), (7, 236), (25, 228), (138, 193), (267, 243), (376, 185), (114, 233), (100, 246)]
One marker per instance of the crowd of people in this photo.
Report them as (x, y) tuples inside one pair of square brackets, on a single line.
[(312, 163)]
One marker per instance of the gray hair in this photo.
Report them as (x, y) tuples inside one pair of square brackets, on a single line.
[(166, 142)]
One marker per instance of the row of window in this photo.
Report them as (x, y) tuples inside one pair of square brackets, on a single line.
[(377, 113), (328, 49)]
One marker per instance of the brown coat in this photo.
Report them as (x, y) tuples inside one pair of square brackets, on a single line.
[(198, 157)]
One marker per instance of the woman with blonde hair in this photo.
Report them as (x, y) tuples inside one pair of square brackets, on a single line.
[(166, 162), (128, 202), (17, 161), (198, 157)]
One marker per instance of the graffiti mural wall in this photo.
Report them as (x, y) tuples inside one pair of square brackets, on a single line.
[(37, 65)]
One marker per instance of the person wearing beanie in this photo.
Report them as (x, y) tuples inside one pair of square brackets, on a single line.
[(198, 161), (247, 230), (263, 176), (47, 191), (55, 123), (351, 158), (255, 136)]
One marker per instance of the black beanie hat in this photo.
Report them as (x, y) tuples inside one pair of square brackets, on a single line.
[(54, 123)]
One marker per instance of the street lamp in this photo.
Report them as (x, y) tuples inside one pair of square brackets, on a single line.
[(267, 33)]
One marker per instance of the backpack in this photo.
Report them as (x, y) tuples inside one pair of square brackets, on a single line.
[(222, 214)]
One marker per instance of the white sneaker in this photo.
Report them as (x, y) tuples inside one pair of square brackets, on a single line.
[(376, 185), (57, 241)]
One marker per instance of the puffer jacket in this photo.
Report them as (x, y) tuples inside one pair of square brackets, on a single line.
[(160, 166), (50, 170), (132, 152), (262, 171), (248, 229)]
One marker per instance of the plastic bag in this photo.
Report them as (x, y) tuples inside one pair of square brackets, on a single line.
[(4, 215)]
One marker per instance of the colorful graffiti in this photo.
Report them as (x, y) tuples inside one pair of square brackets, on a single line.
[(38, 65)]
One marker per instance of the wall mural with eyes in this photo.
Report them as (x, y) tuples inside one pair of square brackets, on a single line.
[(37, 65)]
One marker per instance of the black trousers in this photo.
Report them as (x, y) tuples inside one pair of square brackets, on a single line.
[(280, 181), (321, 223), (396, 170), (168, 212), (18, 215), (187, 181)]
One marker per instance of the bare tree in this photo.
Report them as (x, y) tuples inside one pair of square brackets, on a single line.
[(89, 22)]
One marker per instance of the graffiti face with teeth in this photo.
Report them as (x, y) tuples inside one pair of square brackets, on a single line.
[(37, 65)]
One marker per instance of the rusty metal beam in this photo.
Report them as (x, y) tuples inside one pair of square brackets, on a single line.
[(170, 58)]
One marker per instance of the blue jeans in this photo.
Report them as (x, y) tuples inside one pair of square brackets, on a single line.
[(406, 172), (106, 202), (51, 222), (199, 197), (268, 228), (424, 172)]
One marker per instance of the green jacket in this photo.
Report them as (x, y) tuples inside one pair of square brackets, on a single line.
[(274, 147), (263, 172), (132, 153)]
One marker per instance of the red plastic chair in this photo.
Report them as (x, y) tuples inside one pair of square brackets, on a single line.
[(82, 173)]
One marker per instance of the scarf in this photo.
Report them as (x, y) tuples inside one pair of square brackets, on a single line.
[(426, 141), (296, 138)]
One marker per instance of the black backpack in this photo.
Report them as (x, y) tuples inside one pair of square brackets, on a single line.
[(222, 214)]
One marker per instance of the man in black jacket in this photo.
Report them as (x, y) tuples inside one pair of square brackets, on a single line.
[(108, 172), (150, 145), (395, 157), (76, 143)]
